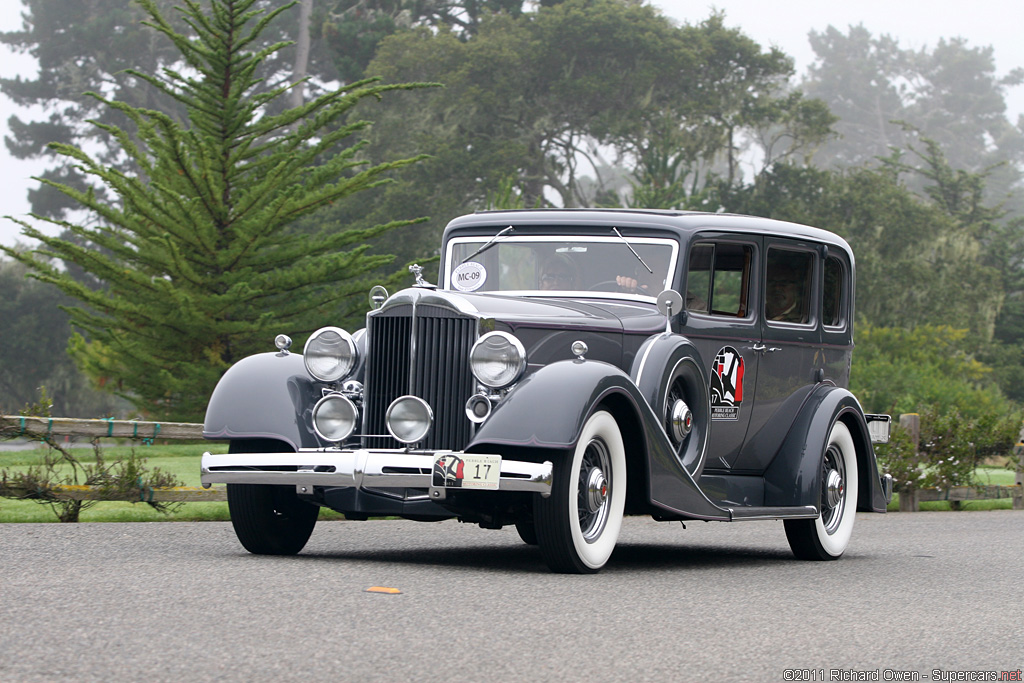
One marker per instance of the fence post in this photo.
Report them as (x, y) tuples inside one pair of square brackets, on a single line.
[(1018, 497), (912, 423)]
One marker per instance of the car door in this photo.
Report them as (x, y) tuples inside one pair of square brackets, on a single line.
[(790, 358), (722, 322)]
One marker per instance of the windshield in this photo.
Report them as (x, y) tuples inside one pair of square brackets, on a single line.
[(561, 265)]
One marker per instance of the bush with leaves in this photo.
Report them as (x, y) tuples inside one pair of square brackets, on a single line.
[(897, 370), (933, 371), (951, 447)]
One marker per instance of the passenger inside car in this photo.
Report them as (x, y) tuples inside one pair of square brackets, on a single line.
[(788, 278)]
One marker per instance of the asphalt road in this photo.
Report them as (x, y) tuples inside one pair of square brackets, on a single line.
[(715, 602)]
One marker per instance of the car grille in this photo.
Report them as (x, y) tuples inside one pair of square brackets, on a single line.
[(441, 374)]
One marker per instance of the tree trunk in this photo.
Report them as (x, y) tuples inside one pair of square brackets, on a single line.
[(301, 53)]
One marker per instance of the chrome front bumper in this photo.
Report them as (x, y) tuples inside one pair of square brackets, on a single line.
[(365, 468)]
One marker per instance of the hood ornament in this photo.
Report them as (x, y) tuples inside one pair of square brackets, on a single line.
[(417, 271)]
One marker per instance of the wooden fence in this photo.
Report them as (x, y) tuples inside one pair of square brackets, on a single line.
[(13, 426)]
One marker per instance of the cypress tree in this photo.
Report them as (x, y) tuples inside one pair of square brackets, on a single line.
[(195, 263)]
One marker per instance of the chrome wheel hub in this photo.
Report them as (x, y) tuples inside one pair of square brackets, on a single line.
[(593, 489), (681, 420), (597, 490), (834, 486), (833, 489)]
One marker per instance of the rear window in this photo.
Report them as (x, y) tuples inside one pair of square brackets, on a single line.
[(833, 292)]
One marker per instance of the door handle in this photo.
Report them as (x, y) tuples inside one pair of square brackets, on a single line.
[(761, 348)]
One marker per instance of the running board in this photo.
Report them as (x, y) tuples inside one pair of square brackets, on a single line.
[(742, 514)]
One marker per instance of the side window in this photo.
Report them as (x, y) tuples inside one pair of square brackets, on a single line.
[(718, 279), (788, 286), (833, 291)]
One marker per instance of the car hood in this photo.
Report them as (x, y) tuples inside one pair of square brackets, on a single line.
[(595, 315)]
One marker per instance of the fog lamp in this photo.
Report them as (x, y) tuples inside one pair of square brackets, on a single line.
[(409, 419), (334, 417)]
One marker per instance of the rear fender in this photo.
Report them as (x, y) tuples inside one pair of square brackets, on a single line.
[(794, 476), (266, 396)]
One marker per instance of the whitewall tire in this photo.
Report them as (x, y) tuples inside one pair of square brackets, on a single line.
[(578, 524), (826, 537)]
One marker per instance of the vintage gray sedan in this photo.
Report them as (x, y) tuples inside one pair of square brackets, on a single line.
[(571, 367)]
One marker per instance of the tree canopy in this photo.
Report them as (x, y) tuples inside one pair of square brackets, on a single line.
[(882, 94), (572, 101)]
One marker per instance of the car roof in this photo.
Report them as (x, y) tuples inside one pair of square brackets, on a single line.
[(684, 223)]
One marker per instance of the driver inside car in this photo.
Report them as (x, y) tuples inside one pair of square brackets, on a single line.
[(559, 272), (644, 281)]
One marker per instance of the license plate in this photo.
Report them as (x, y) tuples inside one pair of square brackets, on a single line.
[(467, 471)]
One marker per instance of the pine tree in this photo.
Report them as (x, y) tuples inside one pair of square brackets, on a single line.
[(196, 263)]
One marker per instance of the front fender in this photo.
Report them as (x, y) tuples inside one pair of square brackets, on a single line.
[(266, 396), (794, 477), (548, 408)]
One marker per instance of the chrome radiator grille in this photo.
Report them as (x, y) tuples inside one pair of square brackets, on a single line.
[(440, 372)]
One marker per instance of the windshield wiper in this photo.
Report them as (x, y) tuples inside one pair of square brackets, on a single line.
[(489, 244), (616, 231)]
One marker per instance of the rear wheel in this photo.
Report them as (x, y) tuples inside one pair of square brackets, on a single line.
[(826, 537), (578, 524), (268, 519)]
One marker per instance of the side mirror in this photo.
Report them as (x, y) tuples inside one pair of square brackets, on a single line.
[(670, 302)]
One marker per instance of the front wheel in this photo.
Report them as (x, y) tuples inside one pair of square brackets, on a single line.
[(826, 537), (269, 520), (578, 524)]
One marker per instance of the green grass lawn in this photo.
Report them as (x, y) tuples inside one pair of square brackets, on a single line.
[(182, 461)]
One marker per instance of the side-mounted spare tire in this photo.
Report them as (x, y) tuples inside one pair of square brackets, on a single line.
[(671, 375), (269, 519)]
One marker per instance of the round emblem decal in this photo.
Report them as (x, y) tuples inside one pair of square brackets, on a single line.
[(469, 277)]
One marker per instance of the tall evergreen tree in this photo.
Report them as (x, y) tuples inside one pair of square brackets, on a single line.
[(88, 45), (196, 261)]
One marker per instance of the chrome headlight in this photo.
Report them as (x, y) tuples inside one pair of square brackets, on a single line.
[(409, 419), (334, 417), (329, 354), (497, 359)]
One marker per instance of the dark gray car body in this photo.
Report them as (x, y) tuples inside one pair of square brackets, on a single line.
[(763, 461)]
